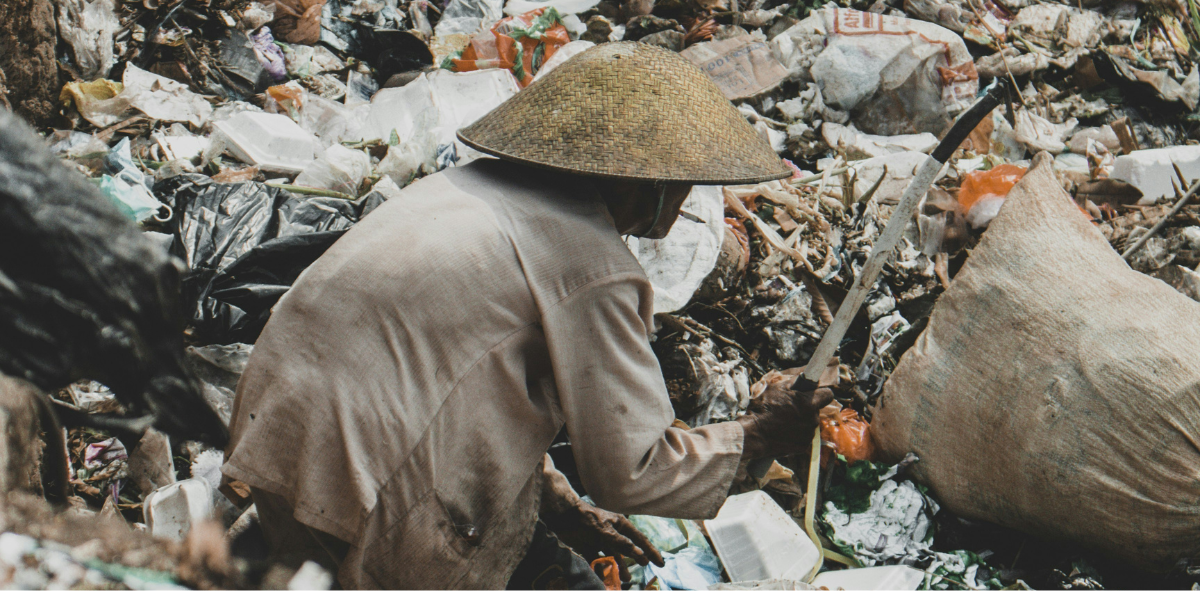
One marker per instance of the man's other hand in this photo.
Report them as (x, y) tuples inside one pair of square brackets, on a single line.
[(589, 531)]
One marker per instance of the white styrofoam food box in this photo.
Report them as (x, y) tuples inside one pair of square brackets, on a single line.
[(756, 540), (1151, 171), (171, 511), (270, 141)]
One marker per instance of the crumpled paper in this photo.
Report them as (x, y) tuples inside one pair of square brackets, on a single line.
[(104, 103), (164, 99), (896, 526), (1038, 133)]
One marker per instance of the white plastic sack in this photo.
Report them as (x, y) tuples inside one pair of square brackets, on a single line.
[(865, 145), (88, 27), (338, 169), (426, 114), (332, 122), (678, 263), (462, 98), (880, 68), (562, 55), (741, 66), (469, 16)]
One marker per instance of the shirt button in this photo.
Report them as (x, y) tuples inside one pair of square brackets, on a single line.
[(468, 533)]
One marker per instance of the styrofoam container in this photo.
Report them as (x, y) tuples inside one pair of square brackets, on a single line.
[(1151, 170), (171, 511), (272, 142), (895, 577), (756, 540)]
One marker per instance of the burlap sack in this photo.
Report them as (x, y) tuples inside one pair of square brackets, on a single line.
[(20, 448), (1055, 390)]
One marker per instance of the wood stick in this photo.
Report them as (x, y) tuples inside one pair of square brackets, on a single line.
[(1162, 222)]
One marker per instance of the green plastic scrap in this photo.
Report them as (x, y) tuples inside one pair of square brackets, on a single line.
[(861, 480), (518, 68), (136, 578), (1194, 13), (448, 62), (549, 18)]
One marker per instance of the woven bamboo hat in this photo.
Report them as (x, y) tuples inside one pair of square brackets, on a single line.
[(631, 111)]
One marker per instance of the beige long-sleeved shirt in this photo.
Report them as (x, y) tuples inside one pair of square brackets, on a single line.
[(405, 390)]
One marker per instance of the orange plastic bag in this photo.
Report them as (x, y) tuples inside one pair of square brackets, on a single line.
[(978, 185), (606, 569), (521, 44), (849, 434), (983, 193), (287, 99), (298, 21)]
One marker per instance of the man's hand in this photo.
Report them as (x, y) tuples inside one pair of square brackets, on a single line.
[(781, 421), (589, 531)]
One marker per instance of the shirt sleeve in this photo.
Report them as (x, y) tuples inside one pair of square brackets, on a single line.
[(618, 414)]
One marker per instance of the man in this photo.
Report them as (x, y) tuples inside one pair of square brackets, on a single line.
[(394, 418)]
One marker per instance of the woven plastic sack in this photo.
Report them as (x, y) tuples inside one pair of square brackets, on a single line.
[(520, 44), (1055, 390)]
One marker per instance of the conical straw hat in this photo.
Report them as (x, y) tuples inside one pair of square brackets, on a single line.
[(631, 111)]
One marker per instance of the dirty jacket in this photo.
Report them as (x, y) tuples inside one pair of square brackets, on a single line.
[(403, 393)]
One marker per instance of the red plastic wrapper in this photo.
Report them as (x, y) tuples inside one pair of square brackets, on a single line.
[(521, 44)]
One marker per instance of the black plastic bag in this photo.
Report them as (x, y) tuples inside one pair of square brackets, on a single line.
[(245, 244), (245, 74), (85, 295), (391, 51)]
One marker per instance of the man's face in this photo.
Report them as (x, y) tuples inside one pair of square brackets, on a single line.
[(635, 209)]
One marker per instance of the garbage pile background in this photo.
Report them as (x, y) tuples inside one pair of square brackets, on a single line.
[(247, 136)]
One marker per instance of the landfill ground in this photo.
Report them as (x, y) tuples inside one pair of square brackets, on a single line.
[(245, 136)]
